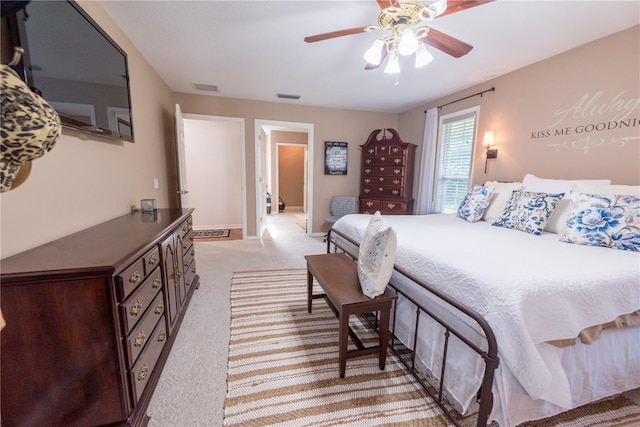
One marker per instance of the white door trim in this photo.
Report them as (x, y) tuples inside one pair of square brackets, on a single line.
[(260, 204)]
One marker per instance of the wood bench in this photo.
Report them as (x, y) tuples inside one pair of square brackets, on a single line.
[(337, 275)]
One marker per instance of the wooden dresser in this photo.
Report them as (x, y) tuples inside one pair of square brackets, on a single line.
[(386, 178), (91, 319)]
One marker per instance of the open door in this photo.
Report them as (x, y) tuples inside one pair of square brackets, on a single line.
[(182, 169)]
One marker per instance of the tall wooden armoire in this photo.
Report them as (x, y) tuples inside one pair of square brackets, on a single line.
[(386, 177)]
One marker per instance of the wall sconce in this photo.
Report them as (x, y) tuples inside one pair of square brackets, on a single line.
[(488, 141)]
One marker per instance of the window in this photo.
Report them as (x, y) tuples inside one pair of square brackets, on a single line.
[(455, 151)]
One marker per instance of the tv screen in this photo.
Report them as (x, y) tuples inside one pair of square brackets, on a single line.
[(78, 69)]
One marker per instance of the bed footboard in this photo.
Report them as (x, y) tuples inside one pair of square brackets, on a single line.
[(337, 241)]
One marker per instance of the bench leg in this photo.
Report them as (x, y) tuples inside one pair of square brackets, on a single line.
[(309, 290), (384, 336), (343, 341)]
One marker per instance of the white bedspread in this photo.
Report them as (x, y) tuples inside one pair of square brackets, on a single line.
[(530, 289)]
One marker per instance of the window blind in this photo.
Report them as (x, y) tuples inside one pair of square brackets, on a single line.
[(454, 168)]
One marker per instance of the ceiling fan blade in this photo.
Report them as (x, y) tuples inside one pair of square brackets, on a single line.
[(334, 34), (446, 43), (383, 56), (457, 6), (387, 3)]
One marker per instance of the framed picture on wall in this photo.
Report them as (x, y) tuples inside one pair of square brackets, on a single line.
[(335, 158)]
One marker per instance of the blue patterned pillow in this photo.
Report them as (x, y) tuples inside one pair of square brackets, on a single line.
[(608, 221), (475, 203), (528, 211)]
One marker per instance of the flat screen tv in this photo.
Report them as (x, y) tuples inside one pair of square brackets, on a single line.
[(77, 68)]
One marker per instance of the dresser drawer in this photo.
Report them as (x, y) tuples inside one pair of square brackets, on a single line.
[(139, 336), (151, 259), (190, 273), (187, 241), (134, 307), (369, 206), (186, 226), (188, 256), (131, 277), (139, 375)]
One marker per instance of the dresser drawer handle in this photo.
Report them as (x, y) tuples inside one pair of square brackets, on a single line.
[(395, 150), (396, 171), (185, 246), (144, 373), (159, 308), (367, 180), (135, 277), (367, 161), (371, 150), (396, 181), (186, 263), (193, 270), (162, 336), (193, 253), (136, 308), (381, 169), (381, 179), (383, 158), (367, 171), (185, 227), (391, 205), (369, 204), (398, 161), (141, 338), (153, 260), (395, 192), (188, 283), (156, 282), (366, 190)]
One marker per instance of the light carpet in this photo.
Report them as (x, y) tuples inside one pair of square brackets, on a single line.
[(283, 369), (283, 364)]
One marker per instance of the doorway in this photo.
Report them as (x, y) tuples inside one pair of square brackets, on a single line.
[(269, 136)]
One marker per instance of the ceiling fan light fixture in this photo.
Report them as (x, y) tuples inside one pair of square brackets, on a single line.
[(374, 54), (393, 65), (423, 56), (408, 42), (438, 6)]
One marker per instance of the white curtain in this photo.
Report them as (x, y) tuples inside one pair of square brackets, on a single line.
[(424, 203)]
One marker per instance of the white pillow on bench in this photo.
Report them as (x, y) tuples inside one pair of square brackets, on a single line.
[(376, 256)]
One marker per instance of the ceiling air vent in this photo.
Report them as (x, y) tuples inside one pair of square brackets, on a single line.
[(205, 87), (288, 96)]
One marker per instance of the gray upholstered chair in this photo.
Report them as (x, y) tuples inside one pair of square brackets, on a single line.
[(341, 206)]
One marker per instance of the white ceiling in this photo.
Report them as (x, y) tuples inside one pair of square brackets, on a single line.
[(255, 49)]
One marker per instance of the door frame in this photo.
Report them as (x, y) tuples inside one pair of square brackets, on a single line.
[(261, 126), (243, 183)]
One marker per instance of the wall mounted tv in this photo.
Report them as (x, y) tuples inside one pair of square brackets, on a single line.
[(77, 68)]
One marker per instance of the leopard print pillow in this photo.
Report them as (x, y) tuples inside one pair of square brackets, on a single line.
[(30, 127)]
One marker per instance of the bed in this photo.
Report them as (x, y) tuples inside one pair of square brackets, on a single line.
[(536, 293)]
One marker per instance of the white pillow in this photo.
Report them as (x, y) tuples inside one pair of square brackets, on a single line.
[(528, 212), (376, 256), (558, 220), (501, 195), (535, 184), (609, 190), (475, 203)]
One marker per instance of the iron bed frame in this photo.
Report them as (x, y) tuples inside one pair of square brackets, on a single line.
[(490, 356)]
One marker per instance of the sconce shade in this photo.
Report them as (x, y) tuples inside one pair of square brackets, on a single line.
[(489, 139)]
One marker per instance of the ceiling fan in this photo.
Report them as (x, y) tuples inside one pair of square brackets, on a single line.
[(402, 20)]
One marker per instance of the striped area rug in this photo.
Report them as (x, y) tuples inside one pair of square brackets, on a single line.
[(283, 364), (283, 369)]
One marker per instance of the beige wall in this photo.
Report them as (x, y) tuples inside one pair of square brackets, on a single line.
[(291, 174), (213, 157), (330, 124), (546, 116), (85, 180), (290, 188)]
